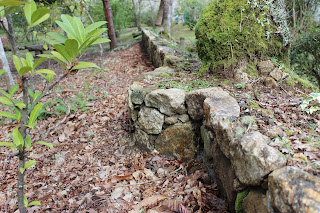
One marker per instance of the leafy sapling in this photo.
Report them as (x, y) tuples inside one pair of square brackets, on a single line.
[(68, 49)]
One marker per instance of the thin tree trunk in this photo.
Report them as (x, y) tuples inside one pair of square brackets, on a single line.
[(5, 65), (11, 36), (135, 13), (90, 18), (111, 31), (160, 14), (23, 131), (139, 14)]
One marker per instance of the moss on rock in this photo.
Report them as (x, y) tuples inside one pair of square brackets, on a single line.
[(228, 31)]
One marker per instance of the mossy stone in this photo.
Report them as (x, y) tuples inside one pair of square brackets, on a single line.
[(228, 31)]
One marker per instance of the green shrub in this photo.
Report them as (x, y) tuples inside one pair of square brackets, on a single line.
[(231, 30), (305, 55)]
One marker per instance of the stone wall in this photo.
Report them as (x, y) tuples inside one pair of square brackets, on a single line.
[(179, 124)]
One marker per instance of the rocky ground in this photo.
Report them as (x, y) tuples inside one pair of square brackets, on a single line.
[(94, 166)]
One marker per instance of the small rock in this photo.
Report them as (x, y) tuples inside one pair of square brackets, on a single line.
[(171, 120), (276, 74), (151, 120), (249, 86), (184, 118), (241, 77), (270, 82), (256, 201), (265, 67)]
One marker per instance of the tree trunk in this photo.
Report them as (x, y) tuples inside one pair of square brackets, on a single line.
[(139, 14), (160, 14), (135, 13), (10, 35), (167, 10), (111, 31), (5, 65)]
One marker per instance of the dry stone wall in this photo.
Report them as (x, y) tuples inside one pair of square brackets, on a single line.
[(180, 124)]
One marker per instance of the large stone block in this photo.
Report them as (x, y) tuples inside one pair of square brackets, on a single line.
[(177, 141), (253, 159), (143, 140), (168, 101), (195, 99), (150, 120), (265, 67), (293, 190), (220, 106)]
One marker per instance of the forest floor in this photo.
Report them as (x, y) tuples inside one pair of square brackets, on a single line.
[(94, 166)]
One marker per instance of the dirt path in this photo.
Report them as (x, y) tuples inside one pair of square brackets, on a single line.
[(93, 166)]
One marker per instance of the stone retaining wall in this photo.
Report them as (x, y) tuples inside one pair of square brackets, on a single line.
[(179, 124)]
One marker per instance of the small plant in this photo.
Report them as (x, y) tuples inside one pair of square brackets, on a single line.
[(311, 103), (26, 110), (239, 86)]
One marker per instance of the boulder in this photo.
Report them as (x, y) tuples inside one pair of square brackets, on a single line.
[(150, 120), (253, 159), (184, 118), (177, 141), (168, 101), (276, 74), (293, 190), (265, 67), (195, 99), (255, 201)]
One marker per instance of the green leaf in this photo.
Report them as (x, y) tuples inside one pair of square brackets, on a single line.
[(39, 16), (59, 56), (14, 89), (62, 50), (34, 203), (22, 171), (17, 62), (8, 115), (94, 26), (45, 71), (5, 93), (12, 146), (20, 105), (28, 9), (34, 115), (57, 36), (17, 137), (11, 3), (79, 29), (18, 114), (38, 62), (2, 71), (82, 65), (49, 78), (72, 47), (28, 142), (37, 95), (29, 59), (50, 145), (24, 70), (101, 40), (6, 101), (30, 92), (29, 164), (24, 62), (25, 200)]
